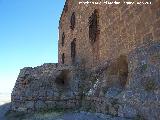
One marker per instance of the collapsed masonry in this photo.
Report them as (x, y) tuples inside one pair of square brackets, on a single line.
[(46, 86), (128, 86)]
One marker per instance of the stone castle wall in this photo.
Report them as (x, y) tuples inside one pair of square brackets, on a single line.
[(111, 89), (43, 87), (122, 29), (117, 74), (139, 96)]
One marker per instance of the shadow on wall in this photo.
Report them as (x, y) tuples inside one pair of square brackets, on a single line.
[(62, 80), (118, 68)]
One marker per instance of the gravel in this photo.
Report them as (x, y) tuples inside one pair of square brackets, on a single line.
[(62, 116)]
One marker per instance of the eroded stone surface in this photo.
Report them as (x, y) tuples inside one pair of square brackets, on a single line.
[(36, 86), (118, 73), (61, 86)]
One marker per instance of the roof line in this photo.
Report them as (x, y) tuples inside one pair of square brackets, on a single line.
[(66, 2)]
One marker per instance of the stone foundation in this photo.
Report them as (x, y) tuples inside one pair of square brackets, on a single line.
[(112, 88)]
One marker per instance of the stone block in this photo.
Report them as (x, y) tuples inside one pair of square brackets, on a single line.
[(21, 109), (50, 104), (113, 111), (127, 111), (40, 105), (29, 104)]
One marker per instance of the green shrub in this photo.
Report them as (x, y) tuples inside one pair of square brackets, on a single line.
[(114, 102), (150, 85), (144, 68), (104, 89)]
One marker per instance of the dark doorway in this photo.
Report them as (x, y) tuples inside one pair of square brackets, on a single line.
[(93, 27), (63, 37), (62, 79), (73, 50), (63, 57), (94, 35), (72, 21)]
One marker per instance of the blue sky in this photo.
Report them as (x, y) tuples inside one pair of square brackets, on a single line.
[(28, 36)]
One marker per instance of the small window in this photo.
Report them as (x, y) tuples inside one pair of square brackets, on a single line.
[(72, 21), (63, 57), (93, 26), (63, 37), (73, 50)]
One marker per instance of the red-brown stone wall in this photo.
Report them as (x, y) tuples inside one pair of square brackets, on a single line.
[(122, 29)]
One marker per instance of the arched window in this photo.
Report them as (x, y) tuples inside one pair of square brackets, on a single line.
[(93, 26), (73, 50), (63, 57), (72, 21), (63, 37)]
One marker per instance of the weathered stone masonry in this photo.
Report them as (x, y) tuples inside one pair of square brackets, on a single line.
[(44, 87), (108, 62), (105, 90), (120, 29)]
